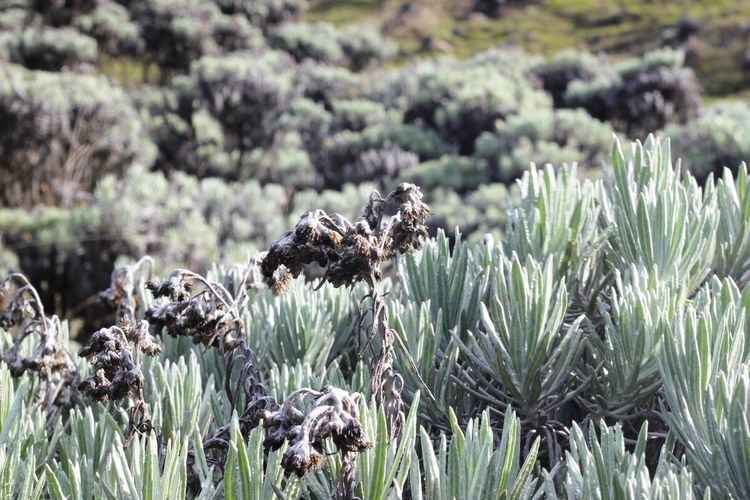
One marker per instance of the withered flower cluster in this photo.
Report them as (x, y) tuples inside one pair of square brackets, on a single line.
[(23, 317), (350, 252), (114, 352), (188, 305), (116, 373), (333, 413), (122, 294)]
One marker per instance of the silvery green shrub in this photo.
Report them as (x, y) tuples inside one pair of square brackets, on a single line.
[(713, 140), (640, 95), (315, 41), (602, 467), (265, 13), (704, 367), (660, 219), (543, 136), (53, 49), (44, 130), (110, 24)]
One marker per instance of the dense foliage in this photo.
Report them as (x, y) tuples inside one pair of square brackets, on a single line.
[(600, 349), (582, 334)]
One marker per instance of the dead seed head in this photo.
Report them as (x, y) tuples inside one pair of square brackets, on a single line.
[(115, 374), (333, 413), (24, 313), (177, 287), (350, 252)]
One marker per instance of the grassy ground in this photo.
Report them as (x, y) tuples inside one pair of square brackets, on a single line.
[(621, 28)]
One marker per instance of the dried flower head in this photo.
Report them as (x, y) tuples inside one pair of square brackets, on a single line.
[(115, 373), (122, 293), (177, 287), (350, 252), (23, 316), (188, 306), (333, 413)]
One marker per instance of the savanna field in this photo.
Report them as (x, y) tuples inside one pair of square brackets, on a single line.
[(374, 249)]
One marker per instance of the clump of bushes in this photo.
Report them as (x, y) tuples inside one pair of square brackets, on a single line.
[(640, 95), (175, 34), (66, 130), (322, 42), (265, 13), (557, 73), (111, 26), (53, 49), (715, 139), (585, 311)]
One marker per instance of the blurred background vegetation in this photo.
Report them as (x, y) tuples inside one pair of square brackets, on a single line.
[(197, 131)]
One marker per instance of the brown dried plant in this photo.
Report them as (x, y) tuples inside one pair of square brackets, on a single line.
[(352, 252), (23, 316), (333, 413), (114, 352), (189, 305)]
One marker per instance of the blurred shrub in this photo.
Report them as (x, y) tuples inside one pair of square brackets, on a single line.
[(316, 41), (567, 66), (66, 131), (379, 152), (61, 12), (357, 114), (540, 137), (176, 33), (479, 103), (265, 13), (494, 8), (459, 173), (110, 24), (14, 17), (356, 48), (460, 101), (640, 95), (715, 139), (211, 119), (53, 49), (325, 84), (365, 47)]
